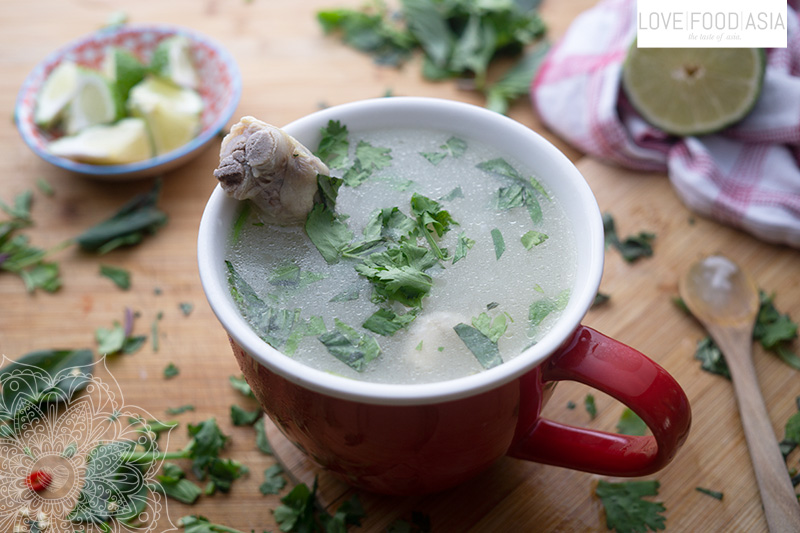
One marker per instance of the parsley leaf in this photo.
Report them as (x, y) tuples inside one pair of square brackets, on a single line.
[(243, 417), (333, 145), (349, 346), (626, 510), (453, 147), (398, 273), (386, 322), (520, 193), (711, 358), (329, 234)]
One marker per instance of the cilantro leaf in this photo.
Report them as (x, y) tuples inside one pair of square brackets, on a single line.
[(243, 417), (630, 423), (520, 192), (633, 247), (262, 443), (329, 234), (239, 384), (398, 273), (481, 346), (349, 346), (172, 483), (463, 244), (714, 494), (179, 410), (453, 147), (517, 80), (626, 510), (333, 145), (533, 238), (711, 358), (493, 329), (499, 243), (201, 524), (386, 322), (273, 480), (170, 371), (590, 406)]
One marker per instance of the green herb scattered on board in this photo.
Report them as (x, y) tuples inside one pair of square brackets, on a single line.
[(626, 509)]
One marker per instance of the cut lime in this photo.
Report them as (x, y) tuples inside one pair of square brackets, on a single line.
[(693, 91), (172, 59), (126, 141), (96, 101), (172, 113), (56, 92), (124, 69)]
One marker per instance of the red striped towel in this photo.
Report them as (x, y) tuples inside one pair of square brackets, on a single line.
[(747, 175)]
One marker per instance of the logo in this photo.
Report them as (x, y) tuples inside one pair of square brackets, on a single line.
[(66, 449), (711, 23)]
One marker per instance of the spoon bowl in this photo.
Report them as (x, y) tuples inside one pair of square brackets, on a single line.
[(716, 290)]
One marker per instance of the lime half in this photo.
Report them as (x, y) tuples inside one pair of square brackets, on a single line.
[(693, 91), (172, 113), (126, 141), (96, 101), (56, 92), (172, 59)]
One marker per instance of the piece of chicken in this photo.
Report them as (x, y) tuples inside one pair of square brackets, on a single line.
[(269, 167)]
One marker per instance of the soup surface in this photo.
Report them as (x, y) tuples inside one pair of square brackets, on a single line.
[(440, 258)]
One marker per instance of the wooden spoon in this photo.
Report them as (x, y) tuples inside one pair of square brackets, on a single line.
[(725, 300)]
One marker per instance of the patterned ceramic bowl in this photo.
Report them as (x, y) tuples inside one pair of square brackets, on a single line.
[(220, 90)]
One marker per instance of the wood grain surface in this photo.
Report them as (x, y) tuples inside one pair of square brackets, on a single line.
[(289, 69)]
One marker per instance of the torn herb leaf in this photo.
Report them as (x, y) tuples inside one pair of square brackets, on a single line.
[(453, 147), (171, 371), (452, 195), (630, 424), (713, 493), (386, 322), (110, 341), (239, 384), (128, 226), (333, 145), (399, 273), (463, 244), (329, 234), (186, 308), (499, 243), (711, 358), (243, 417), (273, 480), (172, 483), (350, 346), (179, 410), (262, 443), (120, 276), (201, 524), (493, 329), (633, 247), (516, 81), (481, 346), (532, 238), (521, 192), (626, 509), (39, 378), (590, 406), (600, 299)]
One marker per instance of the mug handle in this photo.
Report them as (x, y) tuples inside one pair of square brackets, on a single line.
[(629, 376)]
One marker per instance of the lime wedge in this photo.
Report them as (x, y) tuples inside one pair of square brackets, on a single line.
[(96, 101), (172, 113), (126, 141), (56, 92), (124, 69), (172, 59), (693, 91)]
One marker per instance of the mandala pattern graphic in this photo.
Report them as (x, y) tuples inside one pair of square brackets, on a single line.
[(62, 463)]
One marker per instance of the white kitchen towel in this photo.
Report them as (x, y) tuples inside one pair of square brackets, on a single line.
[(747, 175)]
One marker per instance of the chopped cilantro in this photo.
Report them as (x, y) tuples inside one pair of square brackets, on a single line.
[(463, 244), (452, 195), (298, 512), (453, 147), (481, 346), (710, 357), (179, 410), (170, 371), (590, 406), (262, 443), (714, 494), (499, 243), (44, 187), (238, 225), (201, 524), (241, 386), (520, 193), (399, 273), (633, 247), (329, 234), (386, 322), (630, 423), (172, 483), (120, 276), (333, 145), (243, 417), (516, 82), (349, 346), (273, 480), (116, 340), (493, 329), (186, 308), (533, 238), (600, 299), (626, 510), (154, 330)]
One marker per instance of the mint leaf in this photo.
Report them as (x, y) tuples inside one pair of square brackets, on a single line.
[(626, 510), (481, 346)]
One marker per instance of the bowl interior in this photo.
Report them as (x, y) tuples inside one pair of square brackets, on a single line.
[(508, 137), (220, 89)]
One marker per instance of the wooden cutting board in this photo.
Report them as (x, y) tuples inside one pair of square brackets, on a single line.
[(289, 69)]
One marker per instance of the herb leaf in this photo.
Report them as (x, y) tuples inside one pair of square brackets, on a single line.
[(463, 244), (533, 238), (349, 346), (120, 276), (626, 510), (481, 346), (630, 423), (333, 146), (273, 480), (329, 234), (386, 322), (633, 247), (126, 227), (499, 243), (243, 417)]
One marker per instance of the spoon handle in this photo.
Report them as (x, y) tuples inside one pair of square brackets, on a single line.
[(778, 497)]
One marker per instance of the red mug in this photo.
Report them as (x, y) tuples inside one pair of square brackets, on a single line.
[(403, 439)]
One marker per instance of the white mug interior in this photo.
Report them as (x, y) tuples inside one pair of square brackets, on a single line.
[(508, 137)]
